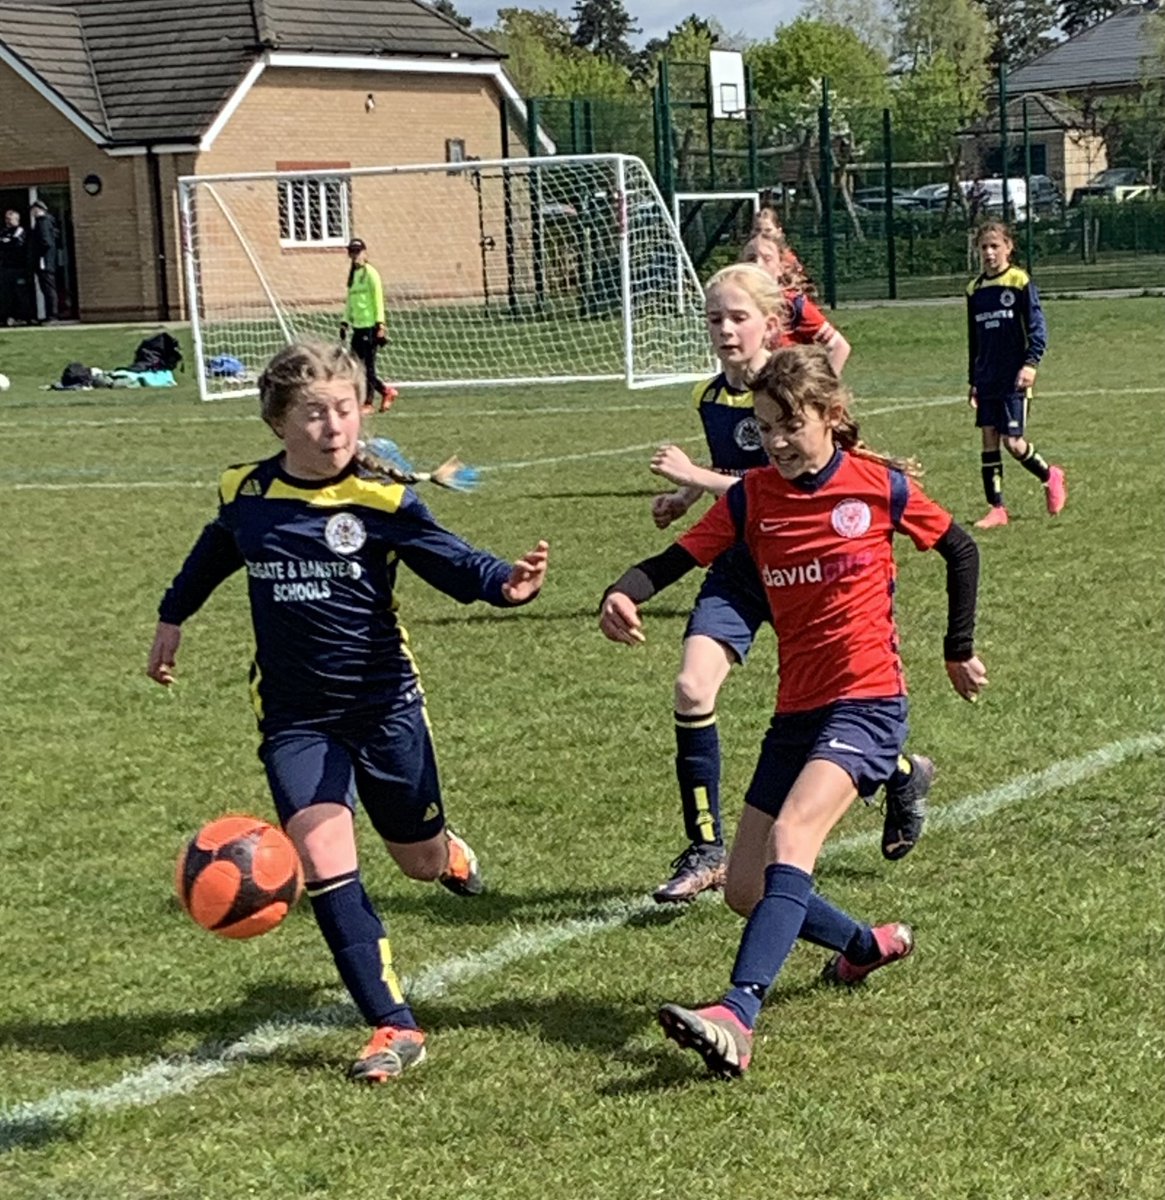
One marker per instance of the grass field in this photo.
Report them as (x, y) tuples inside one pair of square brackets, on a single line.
[(1017, 1055)]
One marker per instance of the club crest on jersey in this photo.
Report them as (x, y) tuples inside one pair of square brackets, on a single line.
[(1007, 297), (850, 518), (747, 434), (345, 533)]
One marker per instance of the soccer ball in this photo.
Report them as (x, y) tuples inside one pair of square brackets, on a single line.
[(238, 876), (5, 383)]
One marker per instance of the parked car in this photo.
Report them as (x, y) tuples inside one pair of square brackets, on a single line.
[(993, 198), (1045, 196), (874, 198), (1115, 183), (932, 195)]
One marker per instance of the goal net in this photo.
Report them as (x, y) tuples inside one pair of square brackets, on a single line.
[(531, 270)]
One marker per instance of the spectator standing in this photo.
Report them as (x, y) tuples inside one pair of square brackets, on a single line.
[(14, 270), (46, 251)]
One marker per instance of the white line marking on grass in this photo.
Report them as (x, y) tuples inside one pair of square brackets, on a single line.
[(109, 485), (175, 1076), (521, 465), (14, 426), (1024, 787)]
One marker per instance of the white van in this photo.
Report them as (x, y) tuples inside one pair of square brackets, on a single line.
[(1016, 196)]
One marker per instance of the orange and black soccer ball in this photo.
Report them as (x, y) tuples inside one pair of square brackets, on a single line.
[(238, 876)]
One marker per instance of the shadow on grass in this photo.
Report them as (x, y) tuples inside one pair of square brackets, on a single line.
[(131, 1035), (574, 1021), (666, 1066)]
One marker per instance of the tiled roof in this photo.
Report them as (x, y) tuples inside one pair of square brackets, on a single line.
[(144, 70), (1117, 51), (51, 42)]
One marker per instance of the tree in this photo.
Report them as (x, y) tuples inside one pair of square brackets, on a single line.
[(1078, 15), (690, 42), (448, 9), (1022, 30), (604, 27), (928, 111), (543, 61), (787, 73), (869, 19), (944, 46)]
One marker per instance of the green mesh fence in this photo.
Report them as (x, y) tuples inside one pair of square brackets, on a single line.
[(918, 241)]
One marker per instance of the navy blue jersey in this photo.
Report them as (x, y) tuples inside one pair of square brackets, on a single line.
[(1005, 330), (321, 561), (730, 427)]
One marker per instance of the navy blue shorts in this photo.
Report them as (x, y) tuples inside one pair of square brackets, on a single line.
[(387, 762), (864, 738), (731, 605), (1005, 414)]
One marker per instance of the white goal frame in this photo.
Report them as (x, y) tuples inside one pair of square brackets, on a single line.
[(665, 310)]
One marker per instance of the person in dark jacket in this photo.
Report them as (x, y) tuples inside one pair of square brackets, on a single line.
[(14, 270), (46, 251)]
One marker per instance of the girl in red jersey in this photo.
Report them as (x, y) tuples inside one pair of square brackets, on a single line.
[(818, 524), (807, 325)]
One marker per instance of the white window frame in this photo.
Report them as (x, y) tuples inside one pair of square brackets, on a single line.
[(288, 189)]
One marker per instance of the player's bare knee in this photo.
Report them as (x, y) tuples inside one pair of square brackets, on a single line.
[(1015, 446), (695, 692)]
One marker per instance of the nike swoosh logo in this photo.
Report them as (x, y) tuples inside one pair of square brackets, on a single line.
[(834, 744), (767, 525)]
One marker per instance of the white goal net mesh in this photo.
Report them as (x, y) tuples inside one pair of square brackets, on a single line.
[(507, 271)]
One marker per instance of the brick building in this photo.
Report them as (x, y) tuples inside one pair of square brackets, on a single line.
[(105, 103)]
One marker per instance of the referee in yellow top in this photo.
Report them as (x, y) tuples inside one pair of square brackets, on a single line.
[(364, 316)]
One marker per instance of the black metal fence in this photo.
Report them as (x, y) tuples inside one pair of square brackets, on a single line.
[(867, 223)]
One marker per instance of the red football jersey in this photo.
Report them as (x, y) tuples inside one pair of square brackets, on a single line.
[(807, 323), (825, 559)]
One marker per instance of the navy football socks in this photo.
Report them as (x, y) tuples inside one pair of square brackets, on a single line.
[(768, 937), (359, 945), (826, 925), (992, 469), (1036, 463), (698, 773)]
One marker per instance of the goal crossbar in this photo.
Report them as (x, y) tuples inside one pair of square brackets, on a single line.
[(499, 271)]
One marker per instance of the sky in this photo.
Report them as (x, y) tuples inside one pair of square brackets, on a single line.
[(754, 18)]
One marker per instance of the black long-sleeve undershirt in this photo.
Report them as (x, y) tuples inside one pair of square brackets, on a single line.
[(958, 549)]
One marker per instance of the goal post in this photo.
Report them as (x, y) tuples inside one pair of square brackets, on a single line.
[(501, 271)]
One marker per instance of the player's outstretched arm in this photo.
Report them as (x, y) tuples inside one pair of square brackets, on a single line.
[(619, 619), (528, 575), (160, 667), (673, 463)]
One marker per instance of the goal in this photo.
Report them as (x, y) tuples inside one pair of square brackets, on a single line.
[(507, 271)]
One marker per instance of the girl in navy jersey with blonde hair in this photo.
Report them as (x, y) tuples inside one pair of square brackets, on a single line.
[(817, 524)]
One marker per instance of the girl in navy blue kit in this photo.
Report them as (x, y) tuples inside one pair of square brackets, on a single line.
[(1007, 337), (335, 687)]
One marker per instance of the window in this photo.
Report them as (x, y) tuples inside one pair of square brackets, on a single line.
[(454, 152), (314, 212)]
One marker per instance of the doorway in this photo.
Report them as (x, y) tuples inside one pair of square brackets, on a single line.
[(58, 200)]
